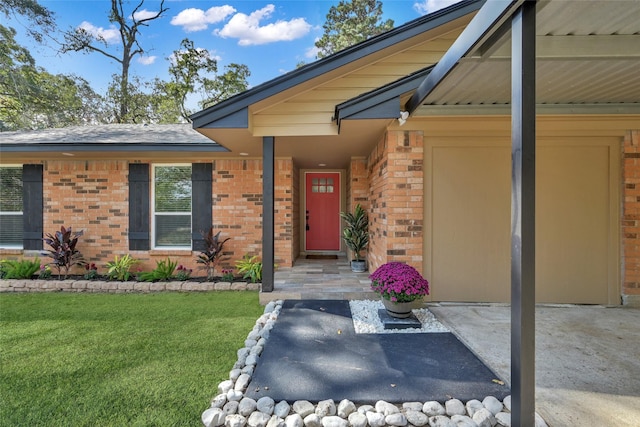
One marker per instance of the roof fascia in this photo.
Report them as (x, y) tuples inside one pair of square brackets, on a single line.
[(207, 117), (489, 20), (375, 104), (26, 147)]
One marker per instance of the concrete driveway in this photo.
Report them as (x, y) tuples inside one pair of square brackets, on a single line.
[(587, 358)]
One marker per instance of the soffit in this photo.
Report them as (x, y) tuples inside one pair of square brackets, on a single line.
[(587, 61)]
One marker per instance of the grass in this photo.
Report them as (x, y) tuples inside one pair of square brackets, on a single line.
[(117, 359)]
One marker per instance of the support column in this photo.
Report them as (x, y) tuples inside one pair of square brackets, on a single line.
[(268, 209), (523, 206)]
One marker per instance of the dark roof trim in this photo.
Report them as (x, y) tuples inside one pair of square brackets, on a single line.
[(380, 103), (26, 147), (482, 25), (207, 118)]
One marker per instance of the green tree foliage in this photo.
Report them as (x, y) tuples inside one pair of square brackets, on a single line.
[(40, 20), (129, 25), (351, 22), (31, 98), (193, 70)]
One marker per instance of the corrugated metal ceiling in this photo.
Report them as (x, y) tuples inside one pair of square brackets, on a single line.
[(602, 68)]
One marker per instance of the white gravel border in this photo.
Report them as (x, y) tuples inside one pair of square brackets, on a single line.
[(366, 319)]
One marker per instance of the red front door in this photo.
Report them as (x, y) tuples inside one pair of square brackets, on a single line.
[(323, 211)]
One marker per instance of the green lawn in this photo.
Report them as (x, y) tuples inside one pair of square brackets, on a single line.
[(117, 359)]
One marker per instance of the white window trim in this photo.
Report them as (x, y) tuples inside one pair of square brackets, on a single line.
[(153, 209), (20, 246)]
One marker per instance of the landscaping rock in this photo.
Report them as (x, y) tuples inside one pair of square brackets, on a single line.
[(303, 408), (441, 421), (492, 404), (235, 420), (219, 401), (312, 420), (346, 408), (473, 406), (503, 419), (266, 405), (375, 419), (258, 419), (454, 407), (326, 408), (213, 417), (413, 406), (357, 419), (397, 419), (463, 421), (230, 408), (275, 421), (433, 408), (234, 395), (484, 418), (416, 418), (282, 409), (225, 386), (242, 382), (386, 408), (246, 406), (334, 421), (293, 420)]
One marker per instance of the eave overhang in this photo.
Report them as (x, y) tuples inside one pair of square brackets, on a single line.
[(101, 147), (234, 112), (382, 103)]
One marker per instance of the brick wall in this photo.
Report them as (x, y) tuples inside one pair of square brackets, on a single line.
[(93, 196), (396, 197), (89, 196), (631, 216), (237, 207), (378, 194)]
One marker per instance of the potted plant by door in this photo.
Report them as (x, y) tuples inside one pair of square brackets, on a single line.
[(356, 235)]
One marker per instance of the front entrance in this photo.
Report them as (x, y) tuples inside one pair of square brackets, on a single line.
[(322, 211)]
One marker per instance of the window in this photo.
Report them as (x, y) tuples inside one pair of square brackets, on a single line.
[(172, 206), (11, 207), (322, 185)]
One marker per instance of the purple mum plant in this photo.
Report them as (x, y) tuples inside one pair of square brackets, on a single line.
[(399, 282)]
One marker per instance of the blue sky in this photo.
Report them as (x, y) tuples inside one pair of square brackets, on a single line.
[(270, 37)]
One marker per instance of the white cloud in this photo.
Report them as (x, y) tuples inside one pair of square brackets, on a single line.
[(249, 32), (108, 35), (427, 6), (144, 14), (312, 52), (147, 60), (193, 19)]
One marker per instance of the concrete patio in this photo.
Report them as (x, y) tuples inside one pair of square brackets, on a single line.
[(587, 357)]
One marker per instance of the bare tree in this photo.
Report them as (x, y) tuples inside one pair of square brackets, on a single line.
[(128, 24)]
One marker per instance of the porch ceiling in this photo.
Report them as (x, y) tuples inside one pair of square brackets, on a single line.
[(356, 139), (587, 62)]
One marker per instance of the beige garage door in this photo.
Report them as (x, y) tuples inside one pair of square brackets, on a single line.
[(576, 247)]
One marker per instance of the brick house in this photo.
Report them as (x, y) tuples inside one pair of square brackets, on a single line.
[(287, 156)]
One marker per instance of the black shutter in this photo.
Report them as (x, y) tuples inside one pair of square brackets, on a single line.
[(32, 207), (201, 202), (139, 207)]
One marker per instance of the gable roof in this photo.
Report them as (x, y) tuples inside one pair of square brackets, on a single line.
[(299, 108), (233, 112)]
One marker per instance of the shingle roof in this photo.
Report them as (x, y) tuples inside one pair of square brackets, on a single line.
[(110, 137)]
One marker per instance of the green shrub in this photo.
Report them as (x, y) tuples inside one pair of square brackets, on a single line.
[(19, 269), (119, 268), (163, 271), (250, 268)]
